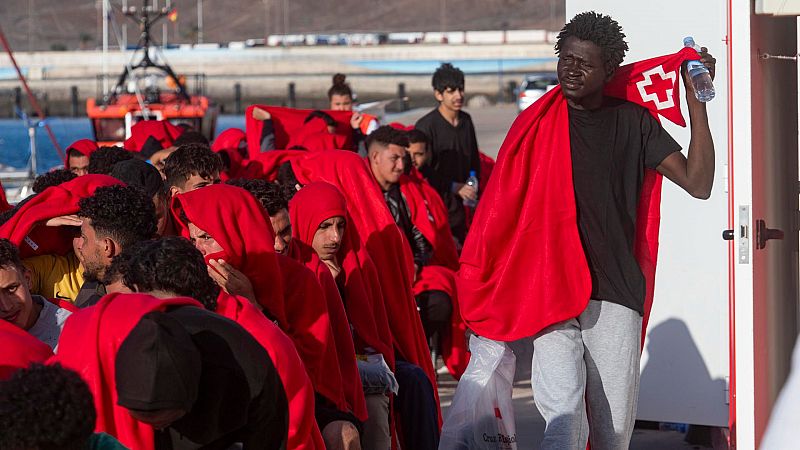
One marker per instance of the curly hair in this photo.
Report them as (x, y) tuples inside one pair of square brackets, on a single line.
[(386, 135), (188, 160), (447, 76), (170, 264), (124, 213), (9, 256), (340, 87), (46, 407), (599, 29), (271, 195), (102, 161), (52, 178)]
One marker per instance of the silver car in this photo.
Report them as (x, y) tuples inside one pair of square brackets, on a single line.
[(533, 87)]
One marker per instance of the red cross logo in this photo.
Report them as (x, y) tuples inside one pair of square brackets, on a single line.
[(664, 84)]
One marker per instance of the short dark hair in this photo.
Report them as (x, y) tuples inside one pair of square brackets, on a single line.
[(599, 29), (171, 264), (339, 87), (9, 256), (46, 407), (287, 179), (447, 76), (124, 213), (102, 161), (188, 160), (330, 121), (386, 135), (271, 196), (416, 136), (74, 152), (52, 178), (190, 137)]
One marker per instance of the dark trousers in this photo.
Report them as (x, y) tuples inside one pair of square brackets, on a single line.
[(435, 309), (415, 404)]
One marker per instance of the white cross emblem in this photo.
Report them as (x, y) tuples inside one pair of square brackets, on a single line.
[(647, 81)]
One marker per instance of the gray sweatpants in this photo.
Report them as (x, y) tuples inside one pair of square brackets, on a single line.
[(588, 363)]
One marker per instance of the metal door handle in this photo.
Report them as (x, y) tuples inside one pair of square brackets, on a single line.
[(763, 234)]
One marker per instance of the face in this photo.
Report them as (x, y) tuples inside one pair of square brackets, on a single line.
[(195, 182), (387, 164), (16, 304), (328, 238), (452, 99), (419, 154), (94, 252), (158, 419), (203, 241), (283, 231), (582, 73), (162, 213), (78, 164), (341, 102)]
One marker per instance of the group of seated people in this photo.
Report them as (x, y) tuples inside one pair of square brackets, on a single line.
[(273, 289)]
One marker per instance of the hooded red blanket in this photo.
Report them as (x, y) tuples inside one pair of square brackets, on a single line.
[(83, 146), (303, 431), (290, 129), (523, 267), (161, 130), (287, 290), (429, 215), (382, 239), (89, 344), (19, 349), (55, 201)]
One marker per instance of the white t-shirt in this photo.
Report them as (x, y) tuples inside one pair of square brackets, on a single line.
[(50, 322)]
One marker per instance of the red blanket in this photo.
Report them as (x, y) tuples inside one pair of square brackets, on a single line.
[(89, 345), (523, 267), (19, 349), (383, 240), (161, 130), (287, 290), (429, 215), (290, 129), (303, 431), (55, 201), (83, 146)]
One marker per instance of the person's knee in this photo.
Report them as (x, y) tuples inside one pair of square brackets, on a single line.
[(341, 435)]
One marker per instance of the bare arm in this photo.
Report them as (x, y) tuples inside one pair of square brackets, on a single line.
[(695, 173)]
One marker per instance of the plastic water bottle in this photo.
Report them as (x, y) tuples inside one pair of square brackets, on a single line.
[(701, 79), (472, 181)]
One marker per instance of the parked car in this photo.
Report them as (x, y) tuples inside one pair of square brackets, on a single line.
[(533, 87)]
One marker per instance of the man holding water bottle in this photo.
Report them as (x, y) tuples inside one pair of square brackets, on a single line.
[(567, 267)]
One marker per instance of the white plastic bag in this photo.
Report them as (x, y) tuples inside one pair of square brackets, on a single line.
[(482, 414)]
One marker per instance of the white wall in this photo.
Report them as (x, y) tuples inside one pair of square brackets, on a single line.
[(685, 360)]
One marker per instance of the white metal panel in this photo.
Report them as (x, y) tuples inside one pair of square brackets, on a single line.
[(685, 359), (778, 7)]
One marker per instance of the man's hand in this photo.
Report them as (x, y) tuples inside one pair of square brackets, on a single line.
[(466, 191), (231, 280), (355, 120), (261, 114), (71, 220)]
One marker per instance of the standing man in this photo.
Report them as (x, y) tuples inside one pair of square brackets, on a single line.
[(453, 146), (568, 260)]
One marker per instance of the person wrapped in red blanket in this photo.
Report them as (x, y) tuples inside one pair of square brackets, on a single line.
[(76, 159), (233, 231), (564, 240), (273, 127), (19, 350)]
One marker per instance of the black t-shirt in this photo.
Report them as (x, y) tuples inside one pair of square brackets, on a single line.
[(241, 396), (611, 147), (454, 153)]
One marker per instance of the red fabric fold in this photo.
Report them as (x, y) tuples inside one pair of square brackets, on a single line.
[(161, 130), (303, 431), (55, 201), (89, 344), (83, 146), (19, 349), (290, 129), (286, 290), (523, 267)]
